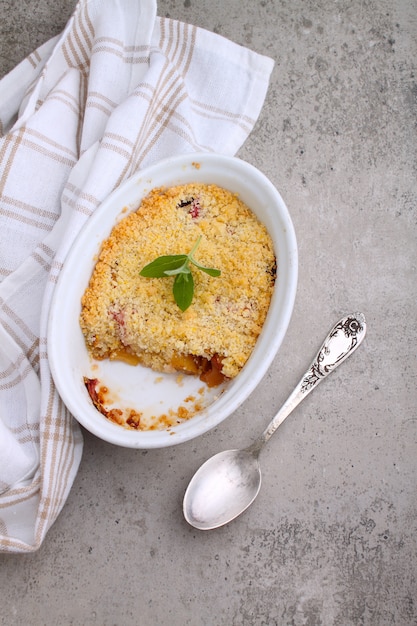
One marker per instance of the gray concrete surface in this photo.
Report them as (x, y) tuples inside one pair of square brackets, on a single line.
[(331, 538)]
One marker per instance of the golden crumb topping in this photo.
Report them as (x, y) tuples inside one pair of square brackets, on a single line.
[(125, 315)]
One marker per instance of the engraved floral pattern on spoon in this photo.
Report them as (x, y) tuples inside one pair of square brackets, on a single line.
[(341, 341)]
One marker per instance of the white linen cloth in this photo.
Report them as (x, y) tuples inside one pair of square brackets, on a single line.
[(118, 90)]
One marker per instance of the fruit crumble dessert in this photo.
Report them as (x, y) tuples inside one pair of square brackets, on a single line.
[(135, 318)]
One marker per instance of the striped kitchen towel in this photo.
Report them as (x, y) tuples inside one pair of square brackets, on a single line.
[(118, 90)]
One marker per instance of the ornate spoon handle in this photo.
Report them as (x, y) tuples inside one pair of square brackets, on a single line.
[(340, 343)]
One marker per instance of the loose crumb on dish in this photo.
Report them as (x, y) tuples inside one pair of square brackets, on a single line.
[(130, 418)]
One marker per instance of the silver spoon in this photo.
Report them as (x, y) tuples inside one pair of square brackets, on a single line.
[(228, 483)]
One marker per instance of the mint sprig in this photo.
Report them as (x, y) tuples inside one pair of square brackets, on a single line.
[(178, 265)]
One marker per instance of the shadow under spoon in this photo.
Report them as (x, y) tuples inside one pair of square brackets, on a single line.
[(228, 483)]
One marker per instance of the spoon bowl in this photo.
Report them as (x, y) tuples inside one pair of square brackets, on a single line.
[(228, 483), (223, 487)]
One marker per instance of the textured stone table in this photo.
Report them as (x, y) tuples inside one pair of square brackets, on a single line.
[(331, 538)]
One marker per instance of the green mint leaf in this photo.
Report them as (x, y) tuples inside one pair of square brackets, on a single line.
[(183, 290), (159, 267), (208, 270), (211, 271), (178, 265), (183, 269)]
